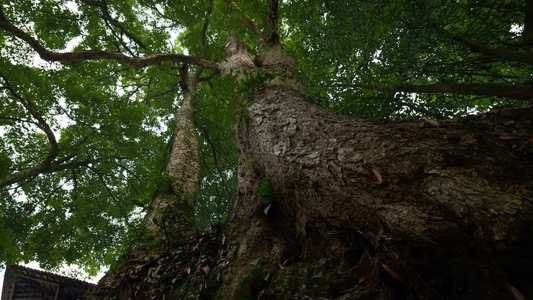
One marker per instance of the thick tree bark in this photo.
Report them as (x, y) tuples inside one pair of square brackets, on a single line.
[(459, 191)]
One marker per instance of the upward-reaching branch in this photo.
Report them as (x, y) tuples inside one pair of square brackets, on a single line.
[(183, 165), (79, 56), (204, 28), (527, 34), (245, 18), (272, 20)]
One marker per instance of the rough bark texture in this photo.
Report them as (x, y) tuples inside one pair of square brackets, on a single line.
[(459, 191), (184, 162)]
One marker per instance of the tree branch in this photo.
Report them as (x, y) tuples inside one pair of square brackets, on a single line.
[(163, 93), (19, 120), (82, 141), (176, 21), (41, 123), (272, 20), (78, 56), (97, 173), (215, 159), (498, 53), (107, 16), (527, 34), (41, 169), (513, 91), (204, 28)]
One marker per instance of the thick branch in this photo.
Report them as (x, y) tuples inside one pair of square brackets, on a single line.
[(40, 169), (513, 91), (183, 165), (74, 57)]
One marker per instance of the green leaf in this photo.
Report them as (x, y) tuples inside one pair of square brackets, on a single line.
[(257, 262), (267, 209), (137, 202)]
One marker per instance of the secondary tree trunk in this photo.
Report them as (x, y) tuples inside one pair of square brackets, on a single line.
[(183, 167), (170, 220)]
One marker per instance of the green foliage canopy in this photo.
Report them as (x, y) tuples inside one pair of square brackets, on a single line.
[(361, 57)]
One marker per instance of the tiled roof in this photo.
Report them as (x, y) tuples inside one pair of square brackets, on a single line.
[(22, 282)]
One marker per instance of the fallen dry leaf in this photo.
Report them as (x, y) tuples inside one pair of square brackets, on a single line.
[(378, 175), (393, 273), (396, 259), (206, 269), (117, 283), (517, 294), (194, 247), (367, 274)]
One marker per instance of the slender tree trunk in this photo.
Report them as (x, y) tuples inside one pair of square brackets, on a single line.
[(170, 218), (183, 168)]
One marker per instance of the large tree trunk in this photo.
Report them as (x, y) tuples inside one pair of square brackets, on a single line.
[(377, 196), (361, 209)]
